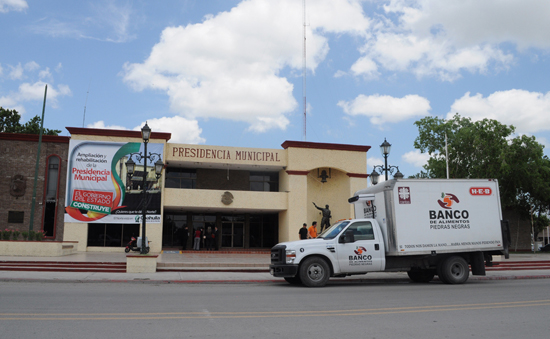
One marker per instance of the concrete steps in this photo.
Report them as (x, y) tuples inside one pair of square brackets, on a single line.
[(519, 265), (63, 266)]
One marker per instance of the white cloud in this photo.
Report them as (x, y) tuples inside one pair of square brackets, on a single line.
[(374, 161), (16, 72), (444, 39), (33, 87), (105, 22), (416, 158), (384, 108), (183, 130), (528, 111), (101, 125), (45, 74), (13, 5), (467, 23), (228, 66), (35, 91)]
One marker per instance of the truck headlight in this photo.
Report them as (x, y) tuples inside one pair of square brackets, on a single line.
[(290, 256)]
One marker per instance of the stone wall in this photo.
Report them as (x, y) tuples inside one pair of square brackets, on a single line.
[(520, 231)]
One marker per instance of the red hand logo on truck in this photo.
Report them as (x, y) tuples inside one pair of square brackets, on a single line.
[(359, 250), (448, 199)]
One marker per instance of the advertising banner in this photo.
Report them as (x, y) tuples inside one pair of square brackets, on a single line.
[(99, 189)]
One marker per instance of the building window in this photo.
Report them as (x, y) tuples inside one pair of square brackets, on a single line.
[(111, 235), (264, 181), (180, 178), (16, 217)]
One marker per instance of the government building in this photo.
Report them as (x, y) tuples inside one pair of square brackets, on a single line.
[(254, 197)]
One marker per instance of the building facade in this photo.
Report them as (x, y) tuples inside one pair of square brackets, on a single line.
[(254, 197), (18, 153)]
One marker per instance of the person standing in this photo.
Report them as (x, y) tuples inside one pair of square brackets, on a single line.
[(185, 237), (312, 231), (197, 240), (215, 240), (208, 240), (303, 232)]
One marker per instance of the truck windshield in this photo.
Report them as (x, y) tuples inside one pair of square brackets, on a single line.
[(334, 230)]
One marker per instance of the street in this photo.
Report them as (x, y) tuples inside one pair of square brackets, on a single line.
[(478, 309)]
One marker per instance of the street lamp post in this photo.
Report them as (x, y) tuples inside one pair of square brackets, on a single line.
[(385, 149), (130, 164)]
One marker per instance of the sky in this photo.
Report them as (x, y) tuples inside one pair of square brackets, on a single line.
[(231, 73)]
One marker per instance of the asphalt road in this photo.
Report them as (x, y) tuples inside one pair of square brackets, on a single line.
[(478, 309)]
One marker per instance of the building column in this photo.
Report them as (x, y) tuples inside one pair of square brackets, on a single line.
[(296, 214)]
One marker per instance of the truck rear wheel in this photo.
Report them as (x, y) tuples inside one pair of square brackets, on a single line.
[(421, 276), (314, 272), (453, 270)]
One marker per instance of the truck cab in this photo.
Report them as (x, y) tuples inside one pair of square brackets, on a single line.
[(346, 248)]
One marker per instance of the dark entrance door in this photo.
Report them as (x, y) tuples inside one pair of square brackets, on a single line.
[(232, 234)]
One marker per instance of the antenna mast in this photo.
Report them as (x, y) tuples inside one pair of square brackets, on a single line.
[(304, 68), (85, 104)]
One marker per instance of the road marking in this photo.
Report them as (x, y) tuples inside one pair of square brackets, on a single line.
[(272, 314)]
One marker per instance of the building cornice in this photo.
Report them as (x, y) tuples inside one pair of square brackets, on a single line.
[(297, 172), (320, 145), (357, 175), (34, 137), (116, 133)]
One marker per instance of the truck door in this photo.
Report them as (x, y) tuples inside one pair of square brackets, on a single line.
[(359, 250)]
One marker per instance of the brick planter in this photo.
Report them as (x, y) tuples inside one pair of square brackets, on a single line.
[(37, 248), (141, 263)]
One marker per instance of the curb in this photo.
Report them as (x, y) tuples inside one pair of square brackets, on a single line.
[(251, 281)]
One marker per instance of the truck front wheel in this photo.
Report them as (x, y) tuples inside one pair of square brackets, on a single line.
[(453, 270), (314, 272)]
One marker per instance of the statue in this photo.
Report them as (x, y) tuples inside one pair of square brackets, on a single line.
[(325, 221)]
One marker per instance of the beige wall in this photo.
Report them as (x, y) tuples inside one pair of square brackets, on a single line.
[(306, 159), (175, 198), (299, 184)]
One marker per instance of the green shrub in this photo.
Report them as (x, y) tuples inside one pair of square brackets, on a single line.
[(15, 235), (39, 236), (6, 234), (25, 235), (31, 235)]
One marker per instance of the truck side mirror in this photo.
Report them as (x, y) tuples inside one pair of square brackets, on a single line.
[(348, 236)]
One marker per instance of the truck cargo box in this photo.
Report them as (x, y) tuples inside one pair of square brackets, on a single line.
[(433, 216)]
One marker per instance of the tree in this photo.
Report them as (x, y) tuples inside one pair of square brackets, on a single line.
[(486, 149), (9, 123)]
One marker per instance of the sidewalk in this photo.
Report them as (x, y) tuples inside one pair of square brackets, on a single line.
[(204, 262)]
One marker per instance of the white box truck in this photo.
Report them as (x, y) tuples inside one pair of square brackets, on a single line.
[(426, 227)]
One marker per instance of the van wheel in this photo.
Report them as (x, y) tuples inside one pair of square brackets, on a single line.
[(453, 270), (421, 276), (314, 272), (293, 280)]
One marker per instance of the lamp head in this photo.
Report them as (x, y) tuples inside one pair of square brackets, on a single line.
[(374, 177), (130, 165), (385, 148), (146, 132), (159, 165)]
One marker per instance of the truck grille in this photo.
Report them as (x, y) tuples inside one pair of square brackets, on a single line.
[(278, 254)]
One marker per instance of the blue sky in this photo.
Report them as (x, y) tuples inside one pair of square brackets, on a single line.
[(223, 72)]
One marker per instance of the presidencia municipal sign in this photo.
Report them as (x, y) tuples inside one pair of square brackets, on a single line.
[(99, 189)]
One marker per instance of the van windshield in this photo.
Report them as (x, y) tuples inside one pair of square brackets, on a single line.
[(334, 230)]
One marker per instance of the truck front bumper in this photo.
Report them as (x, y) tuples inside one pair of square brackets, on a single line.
[(283, 270)]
